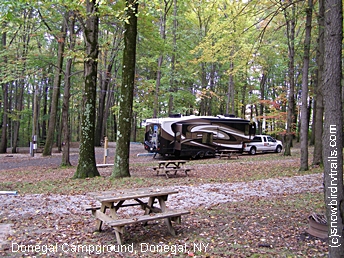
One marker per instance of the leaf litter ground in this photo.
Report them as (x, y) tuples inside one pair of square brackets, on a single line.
[(256, 206)]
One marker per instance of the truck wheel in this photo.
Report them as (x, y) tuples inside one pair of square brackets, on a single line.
[(278, 149), (253, 151)]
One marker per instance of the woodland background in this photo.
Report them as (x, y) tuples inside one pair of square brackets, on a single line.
[(193, 57)]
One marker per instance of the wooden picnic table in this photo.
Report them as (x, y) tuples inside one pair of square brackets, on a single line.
[(167, 166), (112, 201), (227, 153)]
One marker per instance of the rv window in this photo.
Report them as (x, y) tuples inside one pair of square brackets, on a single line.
[(207, 138), (243, 127)]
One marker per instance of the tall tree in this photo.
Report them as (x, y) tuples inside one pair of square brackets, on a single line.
[(230, 103), (291, 24), (106, 78), (204, 15), (304, 106), (173, 87), (333, 127), (318, 103), (4, 85), (121, 166), (56, 88), (66, 93), (87, 161), (262, 98), (23, 50), (162, 30)]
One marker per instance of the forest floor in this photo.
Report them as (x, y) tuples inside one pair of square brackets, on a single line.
[(254, 206)]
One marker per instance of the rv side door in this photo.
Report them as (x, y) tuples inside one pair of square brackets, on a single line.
[(178, 137)]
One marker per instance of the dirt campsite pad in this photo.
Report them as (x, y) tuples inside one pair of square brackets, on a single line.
[(254, 206)]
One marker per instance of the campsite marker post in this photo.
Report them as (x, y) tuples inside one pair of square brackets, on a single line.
[(106, 151)]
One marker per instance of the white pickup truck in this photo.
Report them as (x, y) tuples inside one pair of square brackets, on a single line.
[(263, 143)]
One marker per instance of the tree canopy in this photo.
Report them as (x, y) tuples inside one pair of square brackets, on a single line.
[(234, 52)]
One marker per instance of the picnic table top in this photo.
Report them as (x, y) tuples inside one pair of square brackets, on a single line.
[(128, 194), (172, 161)]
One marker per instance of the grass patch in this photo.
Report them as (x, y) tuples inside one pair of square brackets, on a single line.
[(257, 227), (271, 227), (246, 168)]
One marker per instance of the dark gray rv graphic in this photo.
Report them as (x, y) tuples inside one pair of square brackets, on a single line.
[(196, 136)]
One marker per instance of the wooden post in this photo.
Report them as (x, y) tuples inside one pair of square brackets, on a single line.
[(105, 149)]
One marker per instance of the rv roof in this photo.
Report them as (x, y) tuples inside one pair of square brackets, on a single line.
[(170, 119)]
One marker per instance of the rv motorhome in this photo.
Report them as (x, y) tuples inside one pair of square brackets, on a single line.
[(196, 136)]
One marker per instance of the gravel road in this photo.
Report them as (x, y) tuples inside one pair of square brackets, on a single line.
[(189, 197)]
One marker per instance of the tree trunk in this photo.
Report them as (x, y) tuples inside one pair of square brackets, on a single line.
[(56, 91), (87, 161), (66, 96), (45, 110), (3, 143), (333, 127), (319, 106), (203, 104), (109, 103), (163, 18), (19, 107), (211, 89), (121, 166), (173, 88), (65, 117), (35, 116), (261, 106), (103, 95), (134, 127), (243, 100), (19, 85), (101, 105), (304, 107), (59, 132), (291, 70), (230, 107), (157, 87)]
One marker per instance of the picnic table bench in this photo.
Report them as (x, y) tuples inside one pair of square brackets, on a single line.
[(112, 201), (167, 166), (227, 154)]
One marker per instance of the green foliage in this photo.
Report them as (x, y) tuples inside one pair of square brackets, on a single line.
[(212, 38)]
